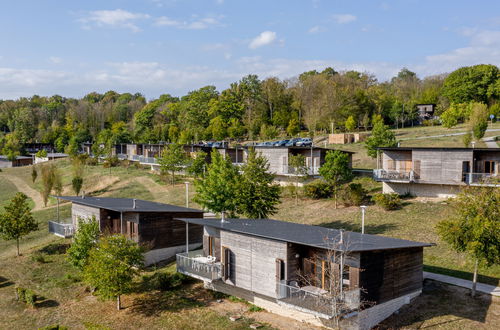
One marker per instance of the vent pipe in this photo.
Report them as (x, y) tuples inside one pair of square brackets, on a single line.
[(223, 216), (134, 200)]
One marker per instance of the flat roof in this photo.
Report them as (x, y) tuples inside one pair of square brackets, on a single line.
[(126, 204), (5, 158), (296, 148), (437, 149), (315, 236)]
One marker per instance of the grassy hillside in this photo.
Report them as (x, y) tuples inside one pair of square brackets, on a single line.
[(67, 302)]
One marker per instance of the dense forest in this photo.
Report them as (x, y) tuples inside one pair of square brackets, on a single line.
[(249, 109)]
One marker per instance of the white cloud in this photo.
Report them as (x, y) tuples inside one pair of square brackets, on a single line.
[(263, 39), (316, 29), (55, 59), (193, 24), (115, 18), (344, 18)]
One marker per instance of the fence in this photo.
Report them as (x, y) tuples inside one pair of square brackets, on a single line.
[(195, 265), (61, 229)]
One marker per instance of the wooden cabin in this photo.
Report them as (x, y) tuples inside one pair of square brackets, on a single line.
[(278, 158), (436, 172), (148, 223), (310, 273), (19, 161)]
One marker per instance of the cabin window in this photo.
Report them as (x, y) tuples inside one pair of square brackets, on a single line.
[(211, 247), (280, 270), (489, 167), (226, 263)]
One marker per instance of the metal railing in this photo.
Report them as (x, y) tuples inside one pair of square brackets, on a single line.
[(61, 229), (393, 175), (291, 170), (195, 265), (317, 301), (482, 179)]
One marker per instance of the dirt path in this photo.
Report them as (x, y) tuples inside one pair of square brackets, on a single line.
[(27, 190)]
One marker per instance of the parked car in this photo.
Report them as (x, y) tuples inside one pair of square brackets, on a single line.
[(281, 143), (305, 142), (268, 144), (217, 145), (292, 142)]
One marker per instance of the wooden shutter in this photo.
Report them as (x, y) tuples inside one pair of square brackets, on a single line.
[(226, 262), (211, 246), (353, 278), (416, 168)]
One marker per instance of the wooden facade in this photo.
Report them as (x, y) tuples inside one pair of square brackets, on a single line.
[(156, 230)]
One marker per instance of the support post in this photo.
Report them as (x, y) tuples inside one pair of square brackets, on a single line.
[(121, 223), (187, 193), (187, 237), (363, 210)]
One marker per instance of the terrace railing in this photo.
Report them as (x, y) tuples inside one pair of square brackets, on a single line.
[(393, 175), (482, 179), (317, 301), (291, 170), (61, 229), (194, 264)]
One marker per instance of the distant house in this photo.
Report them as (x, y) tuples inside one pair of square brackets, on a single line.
[(425, 112), (278, 158), (33, 148), (19, 161), (148, 223), (436, 172), (347, 138), (304, 271), (50, 156)]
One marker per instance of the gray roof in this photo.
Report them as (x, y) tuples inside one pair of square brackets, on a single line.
[(126, 204), (315, 236), (5, 158)]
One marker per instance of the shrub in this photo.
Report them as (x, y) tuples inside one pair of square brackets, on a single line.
[(30, 297), (318, 189), (91, 161), (352, 194), (387, 201), (38, 257), (54, 327), (164, 281), (20, 294), (254, 308), (111, 162)]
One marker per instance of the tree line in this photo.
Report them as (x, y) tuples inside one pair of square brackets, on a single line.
[(250, 108)]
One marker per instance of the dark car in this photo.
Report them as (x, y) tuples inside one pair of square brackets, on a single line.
[(292, 142), (281, 143)]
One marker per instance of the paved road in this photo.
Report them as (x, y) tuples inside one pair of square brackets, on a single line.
[(490, 142), (480, 287)]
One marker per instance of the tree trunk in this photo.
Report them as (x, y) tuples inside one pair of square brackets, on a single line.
[(474, 278), (118, 302), (17, 243)]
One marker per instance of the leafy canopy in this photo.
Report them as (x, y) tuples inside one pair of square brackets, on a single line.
[(381, 136), (84, 240)]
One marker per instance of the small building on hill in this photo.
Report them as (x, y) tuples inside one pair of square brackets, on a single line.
[(314, 274), (425, 112), (50, 156), (19, 161), (148, 223), (436, 172)]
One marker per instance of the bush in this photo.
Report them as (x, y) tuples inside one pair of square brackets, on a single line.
[(111, 162), (164, 282), (431, 122), (387, 201), (54, 327), (21, 294), (318, 189), (352, 194), (30, 297), (91, 161), (38, 257)]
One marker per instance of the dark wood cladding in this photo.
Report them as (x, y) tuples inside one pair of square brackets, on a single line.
[(386, 275), (160, 230)]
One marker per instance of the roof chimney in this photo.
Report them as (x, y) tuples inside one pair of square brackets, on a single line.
[(134, 200)]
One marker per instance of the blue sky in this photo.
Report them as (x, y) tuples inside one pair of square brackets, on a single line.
[(172, 46)]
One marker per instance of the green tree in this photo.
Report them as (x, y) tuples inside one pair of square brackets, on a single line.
[(12, 147), (467, 139), (78, 165), (17, 221), (297, 165), (293, 127), (350, 124), (172, 160), (256, 194), (85, 239), (236, 130), (112, 266), (216, 190), (478, 120), (197, 166), (475, 227), (381, 136), (47, 182), (471, 83), (336, 170), (34, 174)]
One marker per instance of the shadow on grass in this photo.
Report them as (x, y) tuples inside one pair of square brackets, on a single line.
[(54, 248), (4, 282), (450, 305), (461, 274), (46, 303), (349, 226), (153, 304)]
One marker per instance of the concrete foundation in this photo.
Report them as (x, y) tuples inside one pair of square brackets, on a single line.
[(363, 320), (421, 189)]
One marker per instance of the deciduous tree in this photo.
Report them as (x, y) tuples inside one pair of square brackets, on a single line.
[(381, 136), (85, 239), (336, 170)]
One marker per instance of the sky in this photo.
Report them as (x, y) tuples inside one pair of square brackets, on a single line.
[(155, 47)]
